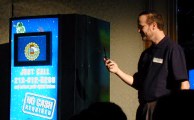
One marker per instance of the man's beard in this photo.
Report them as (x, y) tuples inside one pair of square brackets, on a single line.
[(144, 37)]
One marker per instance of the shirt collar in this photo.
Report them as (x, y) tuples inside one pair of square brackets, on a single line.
[(161, 43)]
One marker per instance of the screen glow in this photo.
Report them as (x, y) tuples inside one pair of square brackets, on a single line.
[(34, 88)]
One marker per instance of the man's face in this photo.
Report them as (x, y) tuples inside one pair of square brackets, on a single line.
[(144, 29)]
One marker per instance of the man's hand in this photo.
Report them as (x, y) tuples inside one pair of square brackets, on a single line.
[(111, 65)]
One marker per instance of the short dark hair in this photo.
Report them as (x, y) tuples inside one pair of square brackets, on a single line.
[(153, 16)]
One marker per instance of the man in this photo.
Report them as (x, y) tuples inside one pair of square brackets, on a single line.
[(161, 67)]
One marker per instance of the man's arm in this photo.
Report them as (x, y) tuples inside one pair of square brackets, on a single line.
[(113, 68), (185, 85)]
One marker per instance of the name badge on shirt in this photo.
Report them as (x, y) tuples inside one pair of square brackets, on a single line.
[(158, 60)]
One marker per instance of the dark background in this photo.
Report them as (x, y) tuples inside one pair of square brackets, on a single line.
[(185, 20)]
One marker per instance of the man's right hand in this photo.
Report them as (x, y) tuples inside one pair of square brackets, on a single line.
[(111, 65)]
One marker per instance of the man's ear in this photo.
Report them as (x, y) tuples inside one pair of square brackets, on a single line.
[(154, 25)]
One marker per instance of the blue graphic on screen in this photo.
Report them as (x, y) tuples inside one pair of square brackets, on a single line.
[(38, 40), (191, 78), (33, 48), (34, 86)]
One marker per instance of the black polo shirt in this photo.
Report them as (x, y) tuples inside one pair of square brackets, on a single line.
[(160, 68)]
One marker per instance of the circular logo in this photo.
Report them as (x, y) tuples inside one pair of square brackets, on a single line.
[(32, 51)]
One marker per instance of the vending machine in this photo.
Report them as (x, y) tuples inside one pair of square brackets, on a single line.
[(57, 66)]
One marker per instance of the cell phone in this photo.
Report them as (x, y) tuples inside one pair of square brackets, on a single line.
[(105, 56)]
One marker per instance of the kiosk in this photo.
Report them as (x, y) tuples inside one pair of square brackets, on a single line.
[(57, 66)]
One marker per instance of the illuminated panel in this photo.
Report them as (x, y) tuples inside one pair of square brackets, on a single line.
[(104, 35), (32, 49), (34, 60), (191, 79)]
